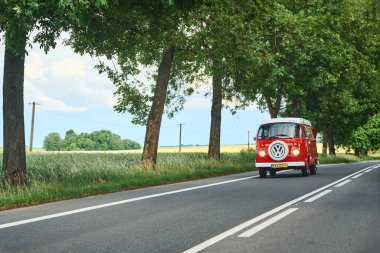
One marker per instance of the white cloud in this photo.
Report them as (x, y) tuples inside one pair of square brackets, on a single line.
[(198, 101), (62, 78), (34, 67), (33, 94), (73, 66), (55, 105), (100, 94)]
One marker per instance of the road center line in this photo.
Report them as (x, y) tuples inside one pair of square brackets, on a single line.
[(343, 183), (358, 175), (317, 196), (267, 223), (248, 223)]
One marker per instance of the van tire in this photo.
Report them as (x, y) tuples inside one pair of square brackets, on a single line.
[(313, 169), (305, 171), (263, 173), (272, 172)]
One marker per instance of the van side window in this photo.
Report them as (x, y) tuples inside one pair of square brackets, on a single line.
[(263, 133), (309, 133)]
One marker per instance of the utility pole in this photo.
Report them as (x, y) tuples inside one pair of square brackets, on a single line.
[(180, 137), (248, 139), (32, 126)]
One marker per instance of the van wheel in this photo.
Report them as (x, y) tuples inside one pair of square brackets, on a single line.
[(305, 171), (272, 172), (263, 173), (313, 169)]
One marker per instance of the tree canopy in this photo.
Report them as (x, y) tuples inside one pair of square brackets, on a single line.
[(97, 140), (367, 137), (318, 61)]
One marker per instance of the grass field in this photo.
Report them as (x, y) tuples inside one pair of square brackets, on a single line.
[(63, 176)]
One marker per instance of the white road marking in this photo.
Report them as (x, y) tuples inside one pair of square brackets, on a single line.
[(267, 223), (317, 196), (366, 171), (12, 224), (358, 175), (343, 183), (248, 223), (81, 210)]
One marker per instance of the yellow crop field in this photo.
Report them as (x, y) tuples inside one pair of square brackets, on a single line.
[(203, 149), (226, 149), (186, 149)]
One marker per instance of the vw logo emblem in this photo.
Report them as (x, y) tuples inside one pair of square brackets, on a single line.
[(278, 150)]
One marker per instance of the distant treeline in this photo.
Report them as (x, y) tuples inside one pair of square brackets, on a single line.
[(97, 140)]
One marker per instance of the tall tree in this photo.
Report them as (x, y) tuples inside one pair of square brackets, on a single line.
[(139, 35), (346, 47), (220, 36), (318, 61), (18, 20)]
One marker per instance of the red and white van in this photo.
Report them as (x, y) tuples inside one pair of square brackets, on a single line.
[(286, 143)]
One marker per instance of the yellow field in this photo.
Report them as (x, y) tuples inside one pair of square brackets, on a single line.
[(203, 149), (228, 149), (223, 149), (200, 149)]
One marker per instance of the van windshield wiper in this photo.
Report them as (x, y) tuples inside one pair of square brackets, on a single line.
[(280, 135)]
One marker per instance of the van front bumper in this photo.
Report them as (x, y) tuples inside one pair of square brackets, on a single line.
[(290, 164)]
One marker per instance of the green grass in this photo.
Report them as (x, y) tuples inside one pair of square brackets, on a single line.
[(63, 176), (344, 158)]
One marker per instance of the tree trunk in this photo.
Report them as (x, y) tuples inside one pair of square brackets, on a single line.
[(295, 107), (273, 109), (357, 152), (324, 142), (216, 116), (14, 159), (149, 156), (330, 137)]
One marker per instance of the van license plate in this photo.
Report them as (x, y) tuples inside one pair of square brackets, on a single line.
[(279, 165)]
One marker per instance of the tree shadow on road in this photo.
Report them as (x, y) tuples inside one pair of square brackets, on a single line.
[(278, 176)]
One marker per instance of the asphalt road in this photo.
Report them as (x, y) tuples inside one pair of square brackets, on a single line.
[(337, 210)]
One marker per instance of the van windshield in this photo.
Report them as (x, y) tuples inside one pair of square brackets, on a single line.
[(273, 131)]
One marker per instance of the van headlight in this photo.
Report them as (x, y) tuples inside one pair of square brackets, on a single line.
[(262, 153), (296, 152)]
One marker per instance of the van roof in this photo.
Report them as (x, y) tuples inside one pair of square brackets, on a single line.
[(287, 120)]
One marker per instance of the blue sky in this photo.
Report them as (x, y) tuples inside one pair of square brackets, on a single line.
[(72, 95)]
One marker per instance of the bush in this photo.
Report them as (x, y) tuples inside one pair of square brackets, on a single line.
[(53, 142)]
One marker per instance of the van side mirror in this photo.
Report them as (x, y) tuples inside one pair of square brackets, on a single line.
[(254, 138)]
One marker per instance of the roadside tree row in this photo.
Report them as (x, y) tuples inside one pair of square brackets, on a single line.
[(312, 59)]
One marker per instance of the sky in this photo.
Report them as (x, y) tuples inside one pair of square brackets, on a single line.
[(73, 95)]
